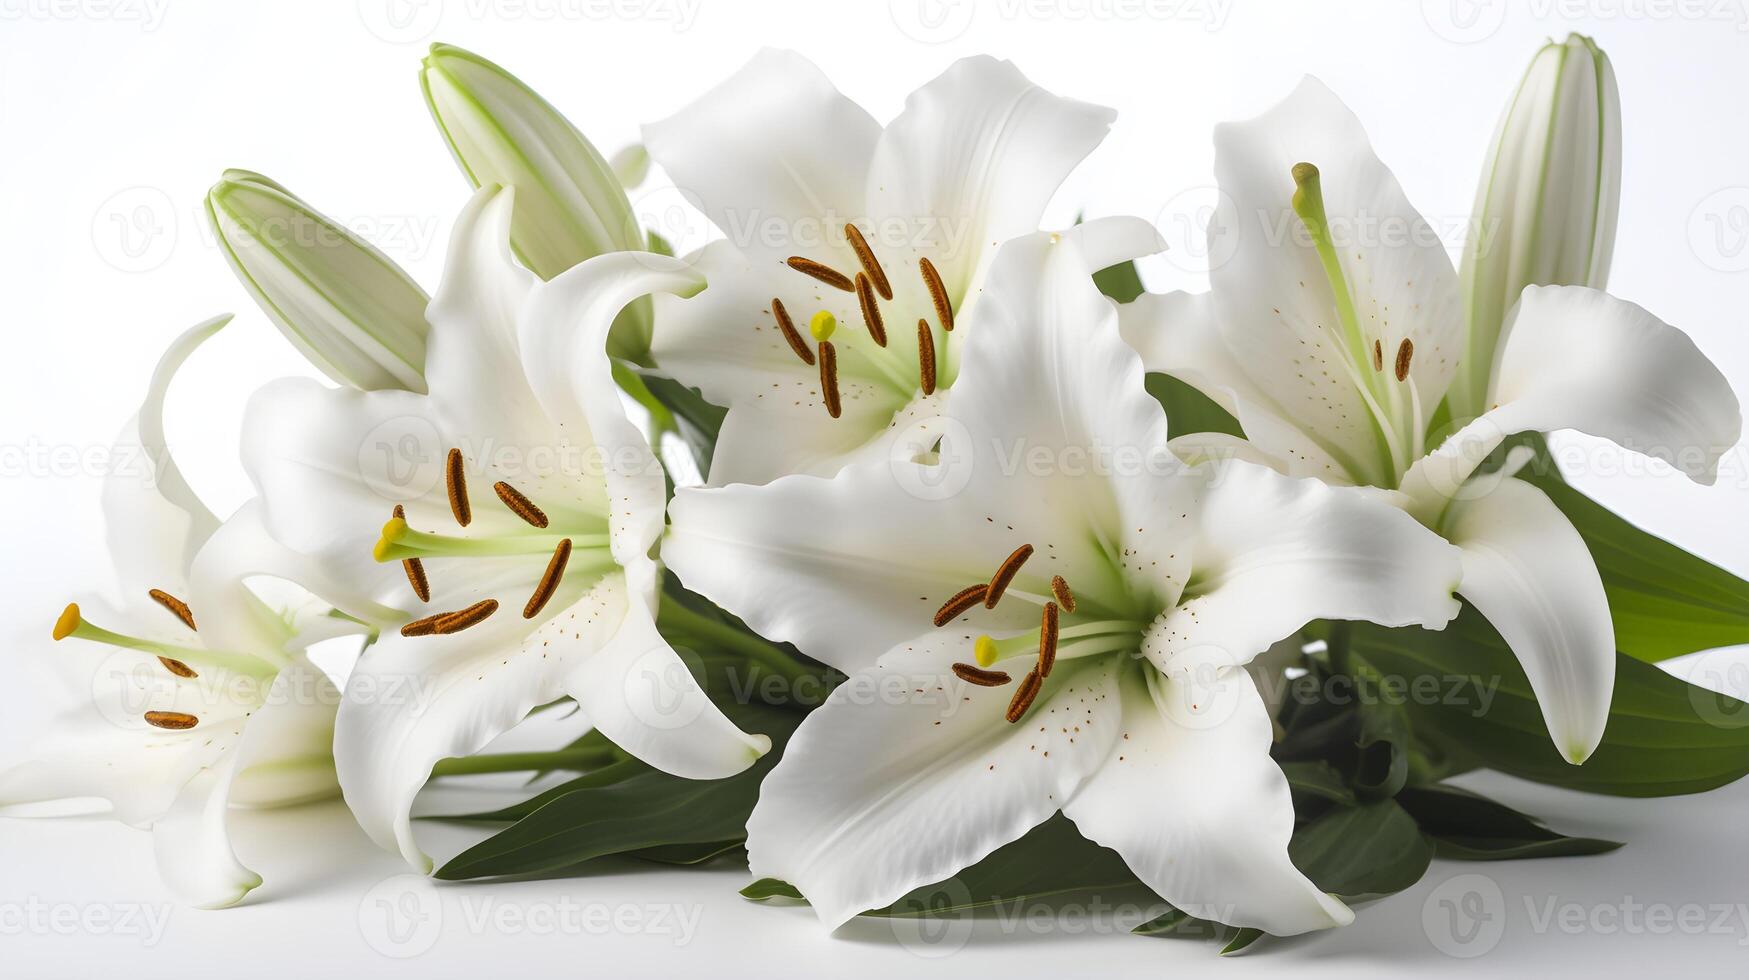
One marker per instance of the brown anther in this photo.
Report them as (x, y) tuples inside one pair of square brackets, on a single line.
[(176, 606), (980, 676), (937, 293), (829, 379), (178, 668), (1405, 352), (474, 615), (456, 479), (174, 721), (962, 600), (549, 580), (1060, 589), (870, 264), (926, 356), (1378, 356), (1047, 639), (520, 505), (1024, 695), (1005, 574), (422, 627), (414, 568), (825, 273), (791, 336), (871, 311)]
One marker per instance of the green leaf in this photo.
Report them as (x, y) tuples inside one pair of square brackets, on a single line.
[(689, 854), (1242, 939), (766, 889), (600, 815), (698, 421), (1468, 827), (1317, 779), (1664, 601), (1665, 737)]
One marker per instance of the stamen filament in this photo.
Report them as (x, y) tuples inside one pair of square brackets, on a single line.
[(818, 270), (72, 623), (455, 479), (870, 264), (399, 542), (520, 505), (788, 328)]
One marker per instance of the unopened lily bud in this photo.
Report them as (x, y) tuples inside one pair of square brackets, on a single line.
[(351, 311), (1550, 193), (570, 205)]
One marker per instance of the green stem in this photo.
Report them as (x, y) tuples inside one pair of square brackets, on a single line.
[(677, 618), (578, 760)]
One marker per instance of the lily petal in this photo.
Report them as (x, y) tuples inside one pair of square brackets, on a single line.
[(1202, 815), (1273, 553), (193, 844), (155, 521), (1396, 269), (1529, 572), (979, 149), (1577, 358), (907, 775), (775, 142)]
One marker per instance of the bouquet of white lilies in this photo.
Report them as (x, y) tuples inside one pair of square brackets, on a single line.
[(909, 554)]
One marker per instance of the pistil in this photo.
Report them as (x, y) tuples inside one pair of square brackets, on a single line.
[(72, 624), (400, 542)]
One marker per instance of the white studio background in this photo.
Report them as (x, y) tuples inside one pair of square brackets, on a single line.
[(118, 114)]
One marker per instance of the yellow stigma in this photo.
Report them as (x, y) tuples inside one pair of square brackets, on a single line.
[(68, 622), (823, 325), (985, 651), (392, 532)]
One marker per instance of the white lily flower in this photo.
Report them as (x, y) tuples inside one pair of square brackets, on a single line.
[(349, 309), (1107, 682), (518, 480), (1334, 344), (184, 722), (1547, 202), (872, 240)]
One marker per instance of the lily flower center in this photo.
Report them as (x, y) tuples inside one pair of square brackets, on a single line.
[(173, 657), (908, 375), (1051, 642), (1382, 377), (584, 548)]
